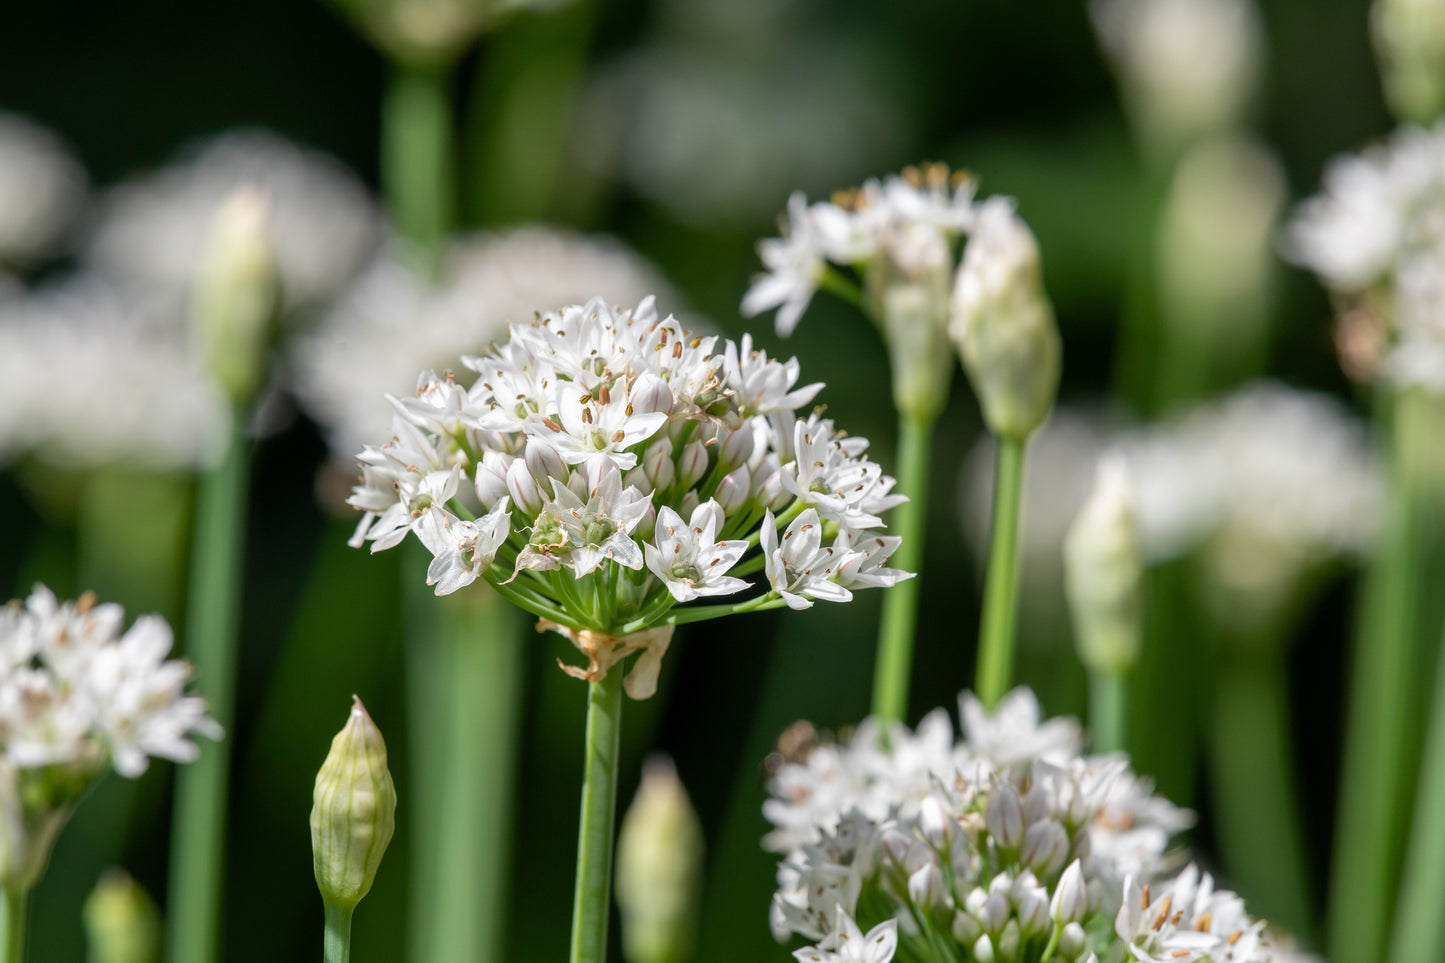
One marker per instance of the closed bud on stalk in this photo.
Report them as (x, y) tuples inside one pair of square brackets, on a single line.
[(236, 294), (1071, 898), (657, 464), (965, 928), (908, 288), (738, 446), (1409, 40), (491, 482), (1104, 574), (1008, 941), (122, 924), (692, 464), (522, 486), (1004, 817), (1072, 941), (659, 869), (650, 394), (1003, 323), (983, 950), (734, 489), (353, 813), (1046, 846)]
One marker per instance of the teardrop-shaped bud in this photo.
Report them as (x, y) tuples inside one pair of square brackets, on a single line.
[(353, 813)]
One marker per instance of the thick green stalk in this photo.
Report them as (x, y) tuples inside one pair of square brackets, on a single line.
[(213, 613), (337, 947), (1419, 933), (593, 899), (894, 667), (1371, 819), (12, 926), (418, 156), (1108, 711), (1001, 585), (1256, 800)]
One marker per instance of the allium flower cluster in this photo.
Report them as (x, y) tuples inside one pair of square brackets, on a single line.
[(606, 465), (78, 693), (1007, 845), (1375, 236)]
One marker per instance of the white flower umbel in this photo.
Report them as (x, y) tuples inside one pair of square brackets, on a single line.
[(41, 190), (1008, 844), (1375, 237), (323, 224), (78, 694), (393, 323), (90, 377), (624, 467)]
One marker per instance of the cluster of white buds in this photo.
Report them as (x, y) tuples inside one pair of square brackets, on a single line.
[(901, 237), (76, 695), (1009, 845), (1375, 236), (606, 465)]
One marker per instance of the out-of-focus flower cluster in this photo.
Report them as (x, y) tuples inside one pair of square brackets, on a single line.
[(41, 191), (76, 694), (1007, 845), (619, 467), (1375, 236)]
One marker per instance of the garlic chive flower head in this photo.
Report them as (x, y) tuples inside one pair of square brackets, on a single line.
[(605, 465), (77, 695), (353, 813), (994, 846), (1104, 573)]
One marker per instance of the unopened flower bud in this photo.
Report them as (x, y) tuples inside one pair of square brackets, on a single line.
[(1046, 846), (691, 464), (659, 869), (236, 294), (1409, 40), (491, 483), (522, 486), (353, 813), (1003, 323), (983, 950), (737, 446), (1072, 941), (926, 885), (1071, 897), (544, 461), (651, 394), (733, 490), (1104, 574), (1031, 904), (122, 924), (908, 290), (935, 823), (965, 928), (1008, 941), (1004, 817), (657, 464)]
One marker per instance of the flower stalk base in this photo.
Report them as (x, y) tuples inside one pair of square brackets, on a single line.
[(592, 902), (1000, 594)]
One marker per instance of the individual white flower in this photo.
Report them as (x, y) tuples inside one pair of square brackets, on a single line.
[(762, 385), (461, 550), (41, 190), (1188, 919), (323, 224), (848, 944), (1012, 733), (688, 557), (801, 568)]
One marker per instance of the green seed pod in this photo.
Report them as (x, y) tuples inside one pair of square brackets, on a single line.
[(354, 811), (659, 869), (122, 923)]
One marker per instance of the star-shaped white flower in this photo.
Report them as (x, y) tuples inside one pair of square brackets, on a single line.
[(848, 944), (462, 550), (800, 568), (688, 558)]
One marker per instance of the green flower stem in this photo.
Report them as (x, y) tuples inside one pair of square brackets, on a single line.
[(337, 948), (12, 926), (213, 614), (762, 603), (1371, 819), (1108, 711), (1255, 796), (1000, 594), (593, 899), (894, 667), (836, 282), (1419, 930), (418, 156)]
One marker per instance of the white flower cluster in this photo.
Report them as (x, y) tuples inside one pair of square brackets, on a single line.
[(910, 215), (41, 191), (1008, 845), (391, 323), (619, 466), (1375, 237)]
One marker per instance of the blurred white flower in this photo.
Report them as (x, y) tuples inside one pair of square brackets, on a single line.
[(42, 189), (324, 226), (90, 376), (392, 324)]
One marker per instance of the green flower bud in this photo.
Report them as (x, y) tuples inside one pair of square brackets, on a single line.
[(1003, 323), (122, 923), (908, 290), (236, 294), (1409, 40), (659, 869), (1104, 575), (354, 811)]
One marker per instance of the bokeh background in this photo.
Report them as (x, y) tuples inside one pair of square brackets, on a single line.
[(679, 126)]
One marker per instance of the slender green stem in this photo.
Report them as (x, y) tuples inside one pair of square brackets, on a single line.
[(595, 830), (213, 613), (1000, 593), (1371, 819), (418, 164), (845, 287), (1108, 711), (762, 603), (1256, 800), (338, 934), (1419, 932), (894, 667), (12, 925)]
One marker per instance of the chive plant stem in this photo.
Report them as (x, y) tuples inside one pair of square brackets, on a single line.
[(1108, 711), (1000, 594), (12, 925), (337, 948), (592, 902), (418, 155), (894, 667), (1419, 931), (213, 611)]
